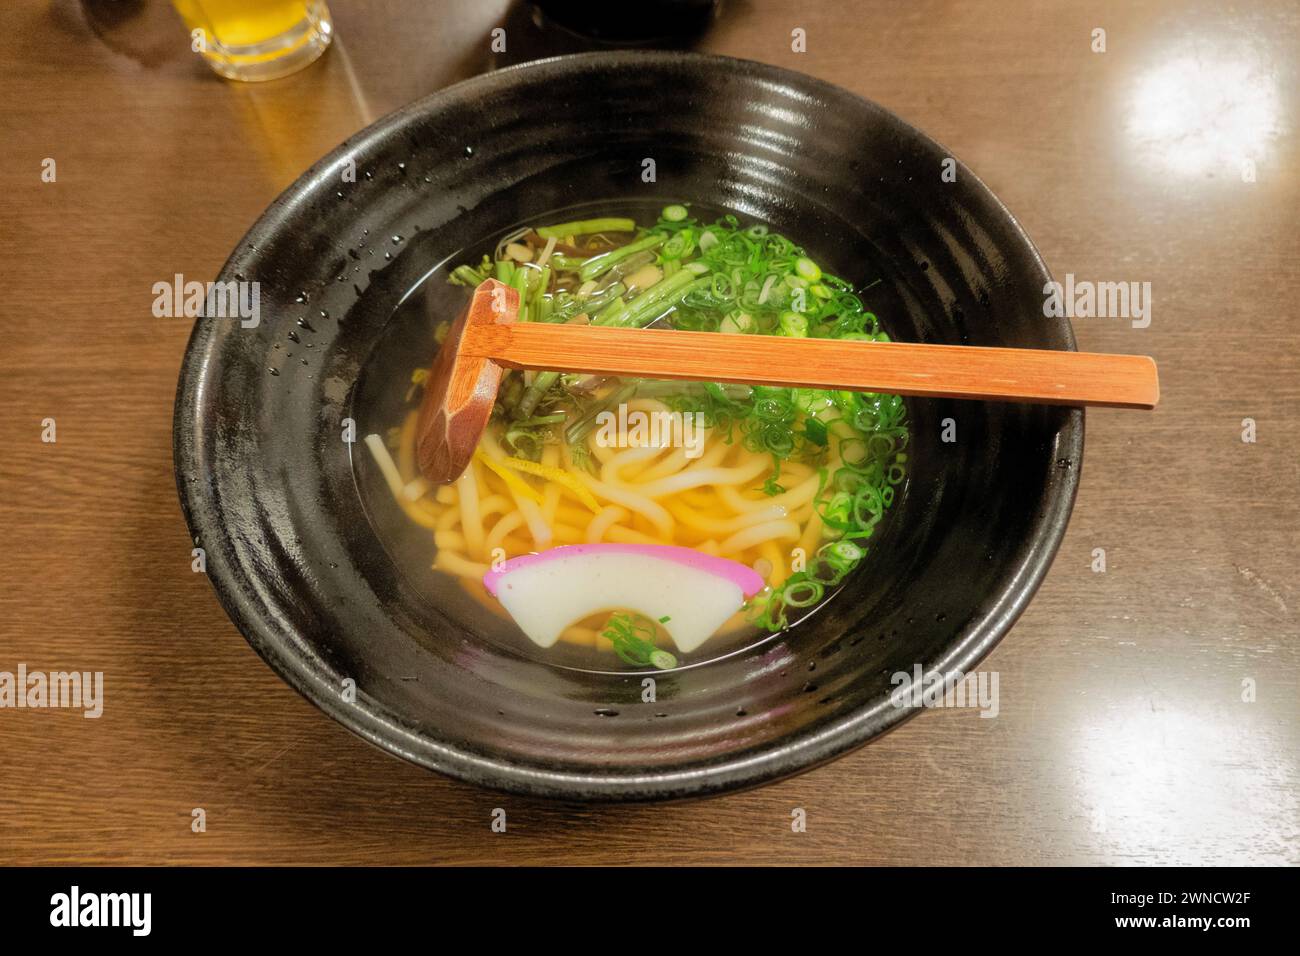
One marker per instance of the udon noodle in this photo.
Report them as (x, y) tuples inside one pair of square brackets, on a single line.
[(790, 482)]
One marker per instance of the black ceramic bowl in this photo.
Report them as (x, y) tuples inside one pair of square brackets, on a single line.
[(269, 491)]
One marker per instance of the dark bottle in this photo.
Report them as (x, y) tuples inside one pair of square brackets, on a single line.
[(645, 23)]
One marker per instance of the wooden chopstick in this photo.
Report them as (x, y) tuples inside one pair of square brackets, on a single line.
[(953, 371)]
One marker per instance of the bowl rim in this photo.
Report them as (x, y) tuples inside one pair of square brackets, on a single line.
[(786, 757)]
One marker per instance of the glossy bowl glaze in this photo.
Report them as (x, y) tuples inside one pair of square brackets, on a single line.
[(268, 489)]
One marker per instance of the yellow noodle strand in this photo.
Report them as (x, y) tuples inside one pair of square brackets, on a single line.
[(449, 541), (502, 527), (556, 475), (775, 557), (655, 513), (536, 522), (621, 535), (454, 563), (387, 467), (517, 485), (749, 537), (702, 522), (599, 525), (471, 522), (625, 460), (698, 477), (406, 446), (798, 495)]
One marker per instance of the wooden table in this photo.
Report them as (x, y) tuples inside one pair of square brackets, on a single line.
[(1123, 735)]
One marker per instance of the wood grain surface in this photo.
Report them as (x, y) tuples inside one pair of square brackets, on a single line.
[(902, 368), (1148, 714)]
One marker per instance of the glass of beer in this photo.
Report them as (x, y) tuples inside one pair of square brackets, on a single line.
[(257, 39)]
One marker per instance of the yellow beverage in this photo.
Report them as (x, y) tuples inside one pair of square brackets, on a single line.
[(257, 39)]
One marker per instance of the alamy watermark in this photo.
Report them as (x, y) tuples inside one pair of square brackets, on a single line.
[(635, 428), (932, 689), (236, 299), (1103, 300), (73, 690), (129, 910)]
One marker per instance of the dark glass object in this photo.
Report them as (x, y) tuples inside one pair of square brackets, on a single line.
[(646, 23)]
